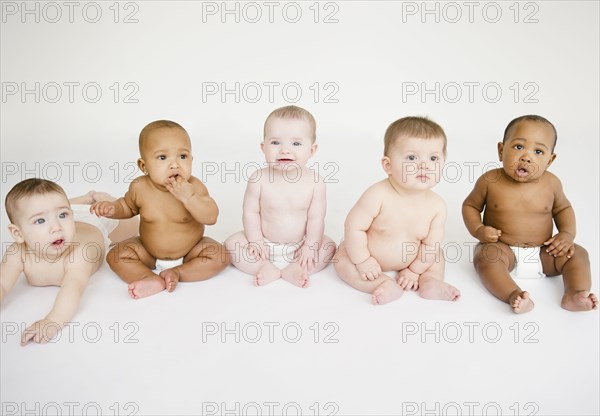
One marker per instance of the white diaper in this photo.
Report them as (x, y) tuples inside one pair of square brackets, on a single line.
[(282, 254), (166, 264), (528, 264), (81, 213)]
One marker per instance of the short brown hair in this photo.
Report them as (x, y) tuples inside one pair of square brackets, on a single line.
[(530, 117), (157, 125), (295, 113), (418, 127), (27, 188)]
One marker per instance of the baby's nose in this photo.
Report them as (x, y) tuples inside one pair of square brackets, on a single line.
[(526, 156), (55, 226)]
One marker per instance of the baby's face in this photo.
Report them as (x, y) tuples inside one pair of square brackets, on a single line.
[(166, 153), (527, 152), (44, 223), (288, 143), (414, 163)]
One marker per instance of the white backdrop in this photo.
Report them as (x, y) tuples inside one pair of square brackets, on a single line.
[(80, 80)]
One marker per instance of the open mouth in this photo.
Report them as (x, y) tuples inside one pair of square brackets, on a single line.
[(58, 243), (522, 172)]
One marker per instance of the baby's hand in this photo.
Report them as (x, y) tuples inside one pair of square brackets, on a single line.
[(407, 279), (487, 234), (258, 250), (369, 269), (561, 244), (307, 256), (41, 332), (103, 209), (180, 188)]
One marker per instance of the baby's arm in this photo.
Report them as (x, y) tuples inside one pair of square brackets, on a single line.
[(428, 253), (315, 225), (471, 211), (195, 198), (251, 220), (357, 223), (77, 274), (10, 269), (564, 216), (120, 208)]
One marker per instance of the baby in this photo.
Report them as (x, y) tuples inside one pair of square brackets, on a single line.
[(397, 225), (174, 206), (519, 202), (284, 206), (58, 243)]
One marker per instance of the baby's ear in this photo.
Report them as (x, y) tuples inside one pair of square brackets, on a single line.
[(500, 148), (387, 165), (142, 165), (313, 148), (16, 233), (551, 159)]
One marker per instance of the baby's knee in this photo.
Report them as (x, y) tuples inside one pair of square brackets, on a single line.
[(217, 253), (581, 253)]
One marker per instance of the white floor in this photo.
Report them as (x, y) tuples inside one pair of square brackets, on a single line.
[(225, 347)]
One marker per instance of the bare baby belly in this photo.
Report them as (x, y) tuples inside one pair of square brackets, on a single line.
[(393, 254)]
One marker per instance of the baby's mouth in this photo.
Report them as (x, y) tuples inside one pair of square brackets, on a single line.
[(522, 172), (58, 243), (285, 160)]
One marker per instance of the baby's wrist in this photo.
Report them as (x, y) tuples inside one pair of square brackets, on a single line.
[(569, 233)]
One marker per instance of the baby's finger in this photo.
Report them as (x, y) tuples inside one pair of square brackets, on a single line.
[(26, 336), (571, 251)]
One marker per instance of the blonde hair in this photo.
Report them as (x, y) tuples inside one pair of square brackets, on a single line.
[(418, 127), (27, 188), (157, 125), (294, 113)]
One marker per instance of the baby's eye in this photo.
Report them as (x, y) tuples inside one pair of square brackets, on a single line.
[(39, 221), (297, 144), (275, 142), (539, 152), (434, 158), (63, 215), (518, 146), (412, 157), (162, 157), (183, 157)]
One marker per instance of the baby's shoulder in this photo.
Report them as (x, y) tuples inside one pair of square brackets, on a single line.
[(14, 256), (549, 178)]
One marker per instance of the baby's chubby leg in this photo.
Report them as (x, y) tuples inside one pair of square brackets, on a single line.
[(205, 260), (263, 270), (322, 253), (493, 262), (382, 289), (577, 278), (432, 285), (133, 264)]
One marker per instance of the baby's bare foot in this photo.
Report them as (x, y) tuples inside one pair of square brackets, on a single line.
[(171, 277), (386, 292), (520, 303), (431, 288), (266, 274), (579, 301), (147, 286), (294, 274)]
